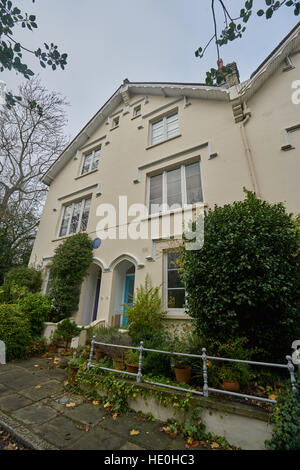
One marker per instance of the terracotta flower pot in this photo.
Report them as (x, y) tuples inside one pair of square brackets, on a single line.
[(131, 368), (231, 386), (52, 348), (183, 373), (118, 363), (74, 370), (98, 354)]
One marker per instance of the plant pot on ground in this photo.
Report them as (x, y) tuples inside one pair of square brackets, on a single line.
[(132, 361), (233, 375), (183, 373), (74, 365), (99, 354), (118, 363)]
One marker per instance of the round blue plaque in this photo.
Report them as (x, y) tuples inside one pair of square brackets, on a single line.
[(96, 243)]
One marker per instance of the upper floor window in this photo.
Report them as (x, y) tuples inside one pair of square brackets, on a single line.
[(164, 128), (115, 122), (90, 161), (175, 188), (75, 217), (137, 111)]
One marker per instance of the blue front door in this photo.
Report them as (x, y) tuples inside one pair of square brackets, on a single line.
[(128, 298)]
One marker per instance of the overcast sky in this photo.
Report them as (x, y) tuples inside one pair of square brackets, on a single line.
[(142, 40)]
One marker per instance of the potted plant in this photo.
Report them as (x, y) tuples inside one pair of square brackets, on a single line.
[(230, 379), (65, 331), (182, 370), (132, 361), (103, 334), (182, 367), (74, 365)]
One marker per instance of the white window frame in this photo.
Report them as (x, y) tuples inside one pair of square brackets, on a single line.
[(137, 111), (69, 223), (114, 125), (175, 310), (164, 188), (93, 153), (165, 132)]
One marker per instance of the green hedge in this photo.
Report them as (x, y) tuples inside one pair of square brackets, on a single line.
[(14, 331)]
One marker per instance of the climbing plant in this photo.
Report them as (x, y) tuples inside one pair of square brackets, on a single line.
[(67, 271)]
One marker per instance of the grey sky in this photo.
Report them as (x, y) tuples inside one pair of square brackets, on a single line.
[(142, 40)]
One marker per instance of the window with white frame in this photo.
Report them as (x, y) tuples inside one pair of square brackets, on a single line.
[(75, 217), (137, 111), (175, 188), (115, 122), (174, 288), (164, 128), (90, 161)]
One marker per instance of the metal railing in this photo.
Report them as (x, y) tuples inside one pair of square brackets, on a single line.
[(204, 357)]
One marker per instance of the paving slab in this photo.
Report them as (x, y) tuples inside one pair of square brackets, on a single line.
[(61, 432), (4, 390), (149, 436), (35, 414), (130, 446), (19, 379), (43, 390), (13, 402), (85, 413), (99, 438)]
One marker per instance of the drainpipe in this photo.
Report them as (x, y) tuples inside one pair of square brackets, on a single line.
[(249, 157)]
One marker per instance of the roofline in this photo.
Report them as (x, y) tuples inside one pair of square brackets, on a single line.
[(275, 50), (46, 178)]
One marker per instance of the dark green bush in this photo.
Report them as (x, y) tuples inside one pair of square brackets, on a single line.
[(37, 307), (245, 281), (65, 331), (14, 331), (22, 276), (67, 270)]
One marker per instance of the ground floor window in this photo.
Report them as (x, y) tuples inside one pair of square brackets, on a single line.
[(174, 288)]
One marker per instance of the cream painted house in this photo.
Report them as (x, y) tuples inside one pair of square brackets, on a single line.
[(159, 144)]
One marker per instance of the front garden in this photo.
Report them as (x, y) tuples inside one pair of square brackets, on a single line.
[(242, 295)]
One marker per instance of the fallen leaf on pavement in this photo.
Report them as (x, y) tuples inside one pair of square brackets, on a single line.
[(38, 386), (70, 405), (95, 402), (134, 432), (215, 445)]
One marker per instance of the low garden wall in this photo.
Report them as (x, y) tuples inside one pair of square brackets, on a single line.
[(241, 425)]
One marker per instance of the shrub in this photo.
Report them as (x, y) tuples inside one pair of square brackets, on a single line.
[(37, 307), (144, 316), (22, 276), (14, 331), (65, 331), (36, 347), (67, 270), (245, 279), (132, 357), (285, 418)]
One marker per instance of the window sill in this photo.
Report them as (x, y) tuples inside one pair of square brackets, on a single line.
[(86, 174), (163, 141), (65, 237), (177, 314), (197, 205), (113, 128), (137, 116)]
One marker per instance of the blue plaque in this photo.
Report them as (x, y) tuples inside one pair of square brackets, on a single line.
[(96, 243)]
